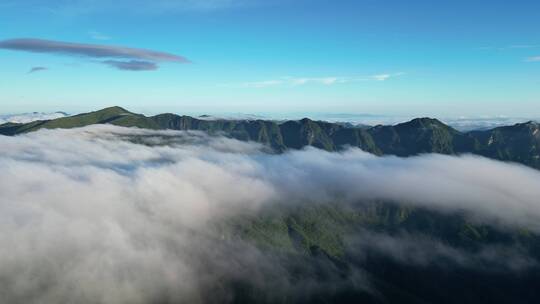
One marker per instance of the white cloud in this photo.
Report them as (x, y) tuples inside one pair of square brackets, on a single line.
[(262, 84), (320, 80), (326, 81), (98, 36), (116, 215), (381, 77), (465, 124), (522, 46), (29, 117), (534, 59)]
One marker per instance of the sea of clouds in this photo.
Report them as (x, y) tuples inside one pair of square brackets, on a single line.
[(105, 214), (463, 124), (29, 117)]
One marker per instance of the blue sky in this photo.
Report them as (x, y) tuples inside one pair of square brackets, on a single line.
[(391, 57)]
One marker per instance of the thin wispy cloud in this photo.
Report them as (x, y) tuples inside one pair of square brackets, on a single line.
[(325, 81), (523, 46), (516, 47), (87, 50), (37, 69), (137, 59), (382, 77), (509, 47), (98, 36), (76, 8), (322, 80), (261, 84)]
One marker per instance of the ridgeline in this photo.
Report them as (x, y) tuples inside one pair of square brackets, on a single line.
[(518, 143)]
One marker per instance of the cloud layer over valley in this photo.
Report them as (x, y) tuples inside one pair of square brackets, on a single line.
[(29, 117), (117, 215)]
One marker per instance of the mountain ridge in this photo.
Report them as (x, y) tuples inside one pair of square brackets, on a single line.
[(517, 143), (340, 240)]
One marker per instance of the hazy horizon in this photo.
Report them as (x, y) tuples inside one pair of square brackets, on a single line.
[(461, 123)]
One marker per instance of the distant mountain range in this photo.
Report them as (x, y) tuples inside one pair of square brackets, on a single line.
[(435, 258), (517, 143)]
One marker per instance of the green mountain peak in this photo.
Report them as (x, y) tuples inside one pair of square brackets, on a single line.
[(518, 143), (114, 110), (424, 122)]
